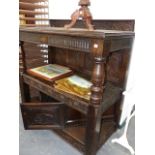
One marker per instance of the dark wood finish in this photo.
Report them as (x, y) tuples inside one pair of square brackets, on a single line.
[(34, 55), (25, 90), (49, 115), (72, 101), (101, 56), (123, 25), (76, 136), (42, 115), (75, 32), (98, 75)]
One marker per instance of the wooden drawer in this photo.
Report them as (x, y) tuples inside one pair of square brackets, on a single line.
[(50, 115), (68, 42), (33, 38), (42, 115)]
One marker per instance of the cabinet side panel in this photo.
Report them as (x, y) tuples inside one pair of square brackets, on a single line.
[(117, 67)]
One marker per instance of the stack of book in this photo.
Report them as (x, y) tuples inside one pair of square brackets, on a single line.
[(75, 85), (62, 78)]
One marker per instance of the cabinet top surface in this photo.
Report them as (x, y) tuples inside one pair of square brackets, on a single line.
[(78, 32)]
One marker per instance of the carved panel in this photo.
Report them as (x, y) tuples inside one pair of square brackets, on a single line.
[(117, 67), (75, 43), (41, 115), (33, 38)]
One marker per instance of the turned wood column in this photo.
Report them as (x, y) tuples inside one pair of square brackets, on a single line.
[(94, 114), (97, 80), (98, 75)]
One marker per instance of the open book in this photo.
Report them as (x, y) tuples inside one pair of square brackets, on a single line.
[(50, 72), (75, 85)]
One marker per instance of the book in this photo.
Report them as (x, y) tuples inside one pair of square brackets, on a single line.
[(75, 85), (50, 72)]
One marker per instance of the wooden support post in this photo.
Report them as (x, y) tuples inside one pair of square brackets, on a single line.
[(92, 130), (94, 114), (97, 80), (24, 88), (98, 75)]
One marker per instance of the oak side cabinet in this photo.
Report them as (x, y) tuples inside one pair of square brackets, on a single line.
[(101, 56)]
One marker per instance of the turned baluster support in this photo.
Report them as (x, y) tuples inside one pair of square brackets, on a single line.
[(94, 115), (97, 80), (98, 75)]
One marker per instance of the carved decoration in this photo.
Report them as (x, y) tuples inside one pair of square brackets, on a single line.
[(80, 44), (98, 80)]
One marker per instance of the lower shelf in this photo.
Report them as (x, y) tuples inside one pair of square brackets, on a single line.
[(71, 100), (110, 96), (76, 136), (77, 133)]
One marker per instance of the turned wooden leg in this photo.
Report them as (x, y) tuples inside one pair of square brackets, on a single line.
[(94, 115), (92, 130)]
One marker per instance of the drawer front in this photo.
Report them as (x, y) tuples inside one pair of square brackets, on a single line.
[(33, 37), (42, 115), (73, 43), (50, 116)]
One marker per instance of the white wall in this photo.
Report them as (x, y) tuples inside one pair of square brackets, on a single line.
[(101, 9)]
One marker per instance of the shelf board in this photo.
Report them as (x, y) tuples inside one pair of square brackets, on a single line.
[(46, 87), (29, 12), (70, 139), (33, 1), (31, 6), (34, 19), (77, 133), (76, 136), (110, 96)]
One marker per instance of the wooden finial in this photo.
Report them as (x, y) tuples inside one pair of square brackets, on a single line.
[(84, 13)]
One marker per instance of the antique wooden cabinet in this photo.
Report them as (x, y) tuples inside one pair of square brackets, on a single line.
[(101, 56)]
